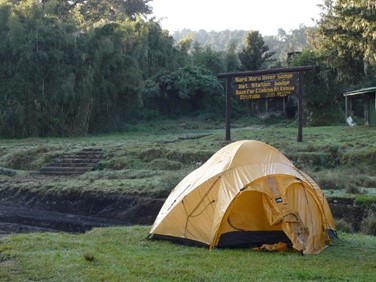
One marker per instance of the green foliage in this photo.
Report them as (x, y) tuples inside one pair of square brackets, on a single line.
[(89, 13), (344, 226), (60, 79), (366, 200), (208, 58), (117, 77), (321, 93), (365, 155), (188, 90), (344, 38), (369, 224), (255, 53), (70, 68), (231, 58)]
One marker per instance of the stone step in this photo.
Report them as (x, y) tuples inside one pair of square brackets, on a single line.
[(66, 168), (60, 173), (88, 154), (73, 163)]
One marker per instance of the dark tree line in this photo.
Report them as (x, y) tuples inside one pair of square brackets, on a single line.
[(72, 67), (76, 67)]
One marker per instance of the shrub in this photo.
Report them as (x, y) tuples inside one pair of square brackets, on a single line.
[(368, 201), (164, 164), (331, 181), (344, 226), (369, 182), (369, 224), (352, 188), (151, 154), (188, 157)]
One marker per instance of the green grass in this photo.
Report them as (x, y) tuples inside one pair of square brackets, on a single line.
[(153, 157), (150, 160), (123, 254)]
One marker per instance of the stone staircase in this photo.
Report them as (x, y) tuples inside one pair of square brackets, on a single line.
[(73, 163)]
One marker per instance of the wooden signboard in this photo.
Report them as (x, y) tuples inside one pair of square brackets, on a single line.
[(266, 85), (260, 84)]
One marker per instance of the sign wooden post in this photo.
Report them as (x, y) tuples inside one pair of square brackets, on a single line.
[(300, 107), (228, 108), (273, 83)]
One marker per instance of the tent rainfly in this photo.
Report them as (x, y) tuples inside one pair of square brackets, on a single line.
[(247, 194)]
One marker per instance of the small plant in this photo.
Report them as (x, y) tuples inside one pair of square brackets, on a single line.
[(352, 188), (344, 226), (369, 224), (89, 257), (366, 200), (369, 182), (164, 164), (331, 180)]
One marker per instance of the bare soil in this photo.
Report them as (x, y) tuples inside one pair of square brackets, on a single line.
[(26, 211), (29, 212)]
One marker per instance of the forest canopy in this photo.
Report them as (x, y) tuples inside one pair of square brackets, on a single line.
[(77, 67)]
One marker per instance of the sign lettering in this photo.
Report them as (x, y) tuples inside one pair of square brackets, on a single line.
[(266, 85)]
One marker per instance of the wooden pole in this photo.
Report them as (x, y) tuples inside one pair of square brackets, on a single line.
[(228, 108), (346, 110), (300, 107), (230, 75)]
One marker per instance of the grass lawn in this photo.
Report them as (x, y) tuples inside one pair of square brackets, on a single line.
[(123, 254), (150, 161)]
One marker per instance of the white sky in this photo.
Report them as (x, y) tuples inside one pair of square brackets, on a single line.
[(265, 16)]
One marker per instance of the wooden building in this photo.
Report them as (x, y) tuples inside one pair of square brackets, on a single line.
[(366, 96)]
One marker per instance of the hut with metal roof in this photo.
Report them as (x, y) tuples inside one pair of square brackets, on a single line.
[(367, 96)]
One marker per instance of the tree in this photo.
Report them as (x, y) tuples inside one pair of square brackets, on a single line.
[(56, 79), (206, 57), (232, 59), (345, 37), (88, 13), (187, 90), (38, 72), (255, 53), (322, 93)]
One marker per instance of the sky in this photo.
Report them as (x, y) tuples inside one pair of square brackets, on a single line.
[(265, 16)]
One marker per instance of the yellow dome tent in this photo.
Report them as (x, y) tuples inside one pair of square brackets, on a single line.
[(247, 194)]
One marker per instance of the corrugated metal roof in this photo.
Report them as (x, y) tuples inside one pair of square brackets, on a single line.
[(360, 91)]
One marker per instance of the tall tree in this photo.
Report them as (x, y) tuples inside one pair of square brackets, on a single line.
[(322, 92), (56, 79), (117, 76), (87, 13), (232, 59), (208, 58), (346, 37), (36, 73), (255, 53), (187, 90)]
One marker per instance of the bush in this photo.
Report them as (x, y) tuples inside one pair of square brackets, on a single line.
[(352, 188), (344, 226), (369, 182), (331, 181), (163, 164), (369, 224), (368, 201)]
